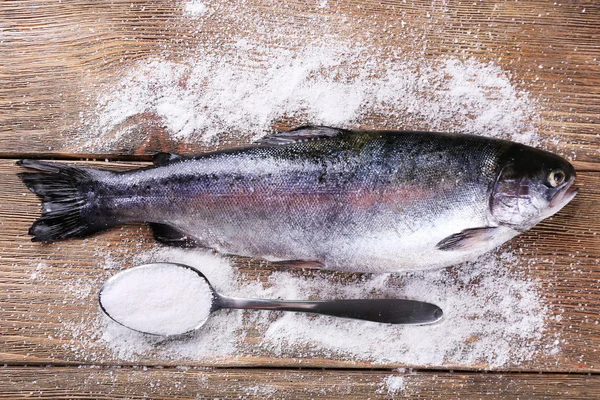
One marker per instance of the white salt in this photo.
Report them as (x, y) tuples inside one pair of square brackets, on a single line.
[(494, 315), (160, 299), (240, 98), (195, 8), (394, 384)]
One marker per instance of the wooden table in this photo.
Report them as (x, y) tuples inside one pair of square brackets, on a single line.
[(56, 56)]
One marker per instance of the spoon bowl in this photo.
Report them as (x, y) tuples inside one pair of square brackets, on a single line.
[(171, 299)]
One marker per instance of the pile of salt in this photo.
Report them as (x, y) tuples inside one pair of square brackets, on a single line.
[(158, 299)]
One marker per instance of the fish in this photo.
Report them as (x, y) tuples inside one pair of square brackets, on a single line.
[(371, 200)]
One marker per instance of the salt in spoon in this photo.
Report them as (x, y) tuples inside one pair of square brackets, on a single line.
[(170, 299)]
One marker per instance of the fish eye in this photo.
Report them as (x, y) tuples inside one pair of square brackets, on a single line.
[(556, 177)]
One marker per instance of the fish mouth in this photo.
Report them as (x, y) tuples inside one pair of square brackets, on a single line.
[(563, 197)]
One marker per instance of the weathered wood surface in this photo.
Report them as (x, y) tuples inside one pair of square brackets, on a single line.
[(57, 57), (207, 383), (34, 312)]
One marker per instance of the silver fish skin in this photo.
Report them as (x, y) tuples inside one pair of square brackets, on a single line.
[(350, 200)]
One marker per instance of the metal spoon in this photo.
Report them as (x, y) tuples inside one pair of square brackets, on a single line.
[(150, 279)]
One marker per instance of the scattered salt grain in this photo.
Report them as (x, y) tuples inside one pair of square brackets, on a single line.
[(242, 99), (493, 315), (160, 299)]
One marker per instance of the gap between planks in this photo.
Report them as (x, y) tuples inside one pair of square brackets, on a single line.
[(309, 368)]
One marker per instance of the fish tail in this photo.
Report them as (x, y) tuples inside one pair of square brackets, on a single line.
[(66, 210)]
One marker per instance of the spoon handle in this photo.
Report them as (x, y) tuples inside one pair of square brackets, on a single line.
[(391, 311)]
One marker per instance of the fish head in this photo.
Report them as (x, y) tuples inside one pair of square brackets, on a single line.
[(530, 185)]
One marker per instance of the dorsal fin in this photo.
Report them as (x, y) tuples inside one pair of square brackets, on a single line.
[(163, 158), (301, 134)]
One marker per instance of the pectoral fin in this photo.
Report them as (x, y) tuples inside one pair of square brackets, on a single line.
[(170, 236), (467, 239)]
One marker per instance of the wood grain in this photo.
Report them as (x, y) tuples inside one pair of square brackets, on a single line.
[(57, 58), (41, 320), (208, 383)]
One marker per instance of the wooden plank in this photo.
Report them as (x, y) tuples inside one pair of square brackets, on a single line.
[(207, 383), (58, 56), (45, 320), (581, 166)]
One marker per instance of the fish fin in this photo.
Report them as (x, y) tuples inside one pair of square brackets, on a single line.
[(63, 189), (301, 134), (310, 264), (170, 236), (467, 239), (163, 158)]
